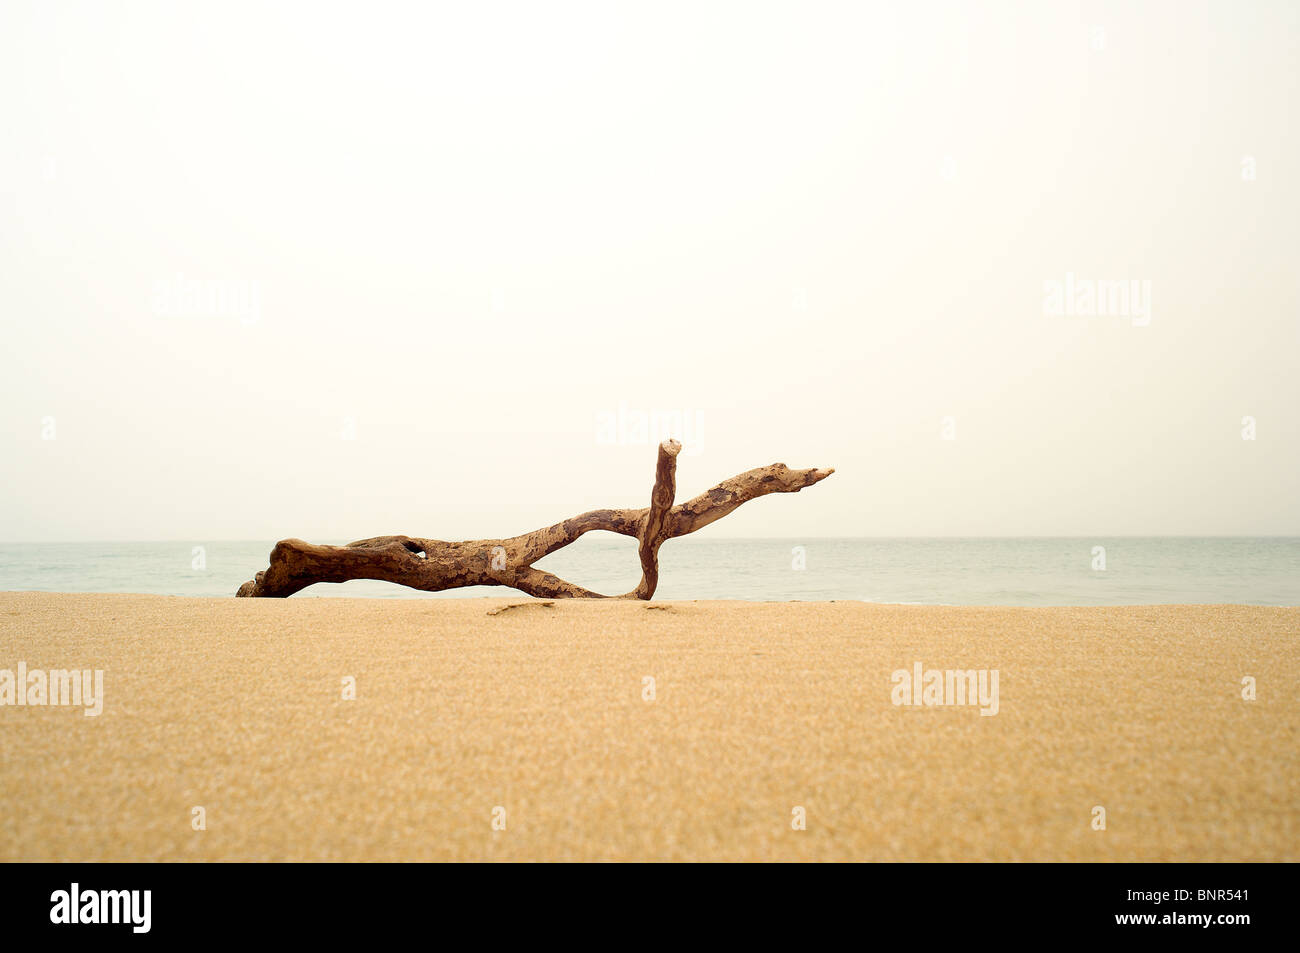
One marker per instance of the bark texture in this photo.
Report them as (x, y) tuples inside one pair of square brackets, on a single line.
[(434, 565)]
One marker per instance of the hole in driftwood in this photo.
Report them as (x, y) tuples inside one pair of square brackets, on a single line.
[(413, 547)]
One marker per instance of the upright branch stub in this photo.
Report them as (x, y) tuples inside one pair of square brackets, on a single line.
[(656, 526), (434, 565)]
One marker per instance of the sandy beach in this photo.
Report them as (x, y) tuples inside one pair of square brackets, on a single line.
[(542, 718)]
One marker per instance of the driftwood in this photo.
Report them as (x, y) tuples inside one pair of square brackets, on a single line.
[(434, 565)]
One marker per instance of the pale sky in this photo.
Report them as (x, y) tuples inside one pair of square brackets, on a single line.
[(459, 234)]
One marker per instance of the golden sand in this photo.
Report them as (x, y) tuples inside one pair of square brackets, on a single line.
[(236, 706)]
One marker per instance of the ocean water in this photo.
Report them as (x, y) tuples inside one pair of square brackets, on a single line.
[(1010, 572)]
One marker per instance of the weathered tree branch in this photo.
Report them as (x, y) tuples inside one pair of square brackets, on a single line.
[(433, 565), (655, 529)]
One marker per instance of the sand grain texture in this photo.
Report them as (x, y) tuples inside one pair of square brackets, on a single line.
[(236, 705)]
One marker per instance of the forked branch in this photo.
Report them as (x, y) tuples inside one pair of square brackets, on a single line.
[(434, 565)]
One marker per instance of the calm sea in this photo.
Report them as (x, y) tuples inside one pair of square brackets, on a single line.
[(1011, 572)]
